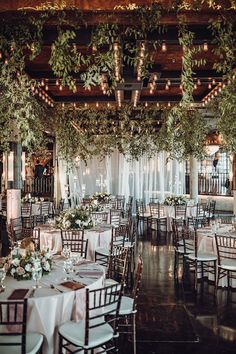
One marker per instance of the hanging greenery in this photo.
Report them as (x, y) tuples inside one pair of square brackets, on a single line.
[(225, 49), (86, 133), (223, 108), (65, 58), (21, 115)]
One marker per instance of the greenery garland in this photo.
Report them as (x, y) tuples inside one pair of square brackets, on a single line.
[(131, 131)]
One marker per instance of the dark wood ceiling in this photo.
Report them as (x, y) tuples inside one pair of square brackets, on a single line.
[(167, 65)]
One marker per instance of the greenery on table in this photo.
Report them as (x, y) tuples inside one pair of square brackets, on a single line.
[(101, 197), (77, 218), (175, 200), (21, 263)]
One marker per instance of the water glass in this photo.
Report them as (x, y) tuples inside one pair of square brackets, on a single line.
[(66, 252), (2, 277), (36, 276), (68, 268)]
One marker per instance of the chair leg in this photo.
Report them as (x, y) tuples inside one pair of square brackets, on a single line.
[(60, 344), (134, 333)]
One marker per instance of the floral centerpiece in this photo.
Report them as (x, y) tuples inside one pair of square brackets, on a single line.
[(77, 218), (101, 197), (175, 200), (21, 263)]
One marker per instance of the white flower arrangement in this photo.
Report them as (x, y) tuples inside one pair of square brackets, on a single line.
[(21, 263), (175, 200), (78, 218), (101, 197)]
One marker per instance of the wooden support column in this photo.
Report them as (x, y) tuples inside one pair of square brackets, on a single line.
[(194, 179)]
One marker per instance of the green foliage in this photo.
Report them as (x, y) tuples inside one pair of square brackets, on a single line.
[(65, 58), (185, 131), (224, 38), (224, 110), (21, 116)]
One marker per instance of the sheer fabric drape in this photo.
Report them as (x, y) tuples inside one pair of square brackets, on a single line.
[(143, 179)]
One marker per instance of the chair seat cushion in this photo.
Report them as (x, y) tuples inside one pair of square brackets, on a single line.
[(74, 332), (202, 257), (33, 343), (228, 264), (126, 306), (128, 244), (103, 251)]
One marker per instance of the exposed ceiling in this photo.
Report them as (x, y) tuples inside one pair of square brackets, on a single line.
[(165, 72)]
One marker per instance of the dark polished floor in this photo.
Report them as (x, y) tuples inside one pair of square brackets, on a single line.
[(171, 318)]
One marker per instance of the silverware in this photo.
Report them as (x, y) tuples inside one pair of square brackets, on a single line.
[(52, 286), (32, 293)]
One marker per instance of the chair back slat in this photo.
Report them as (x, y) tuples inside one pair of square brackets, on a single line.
[(74, 239), (226, 247), (13, 314), (102, 306)]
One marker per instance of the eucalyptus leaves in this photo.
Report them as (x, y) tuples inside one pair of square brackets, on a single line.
[(133, 132)]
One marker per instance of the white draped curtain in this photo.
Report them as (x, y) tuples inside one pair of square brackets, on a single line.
[(143, 179)]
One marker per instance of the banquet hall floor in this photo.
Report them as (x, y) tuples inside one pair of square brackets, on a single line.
[(171, 319)]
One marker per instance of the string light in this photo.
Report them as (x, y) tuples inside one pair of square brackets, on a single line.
[(46, 87), (198, 82), (163, 47), (209, 86), (57, 82), (42, 82), (205, 46), (60, 88), (140, 62), (158, 105)]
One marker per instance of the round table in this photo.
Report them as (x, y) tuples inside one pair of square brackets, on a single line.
[(48, 308), (207, 244), (99, 236)]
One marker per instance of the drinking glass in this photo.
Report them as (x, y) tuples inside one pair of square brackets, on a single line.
[(68, 268), (66, 252), (2, 277), (36, 276)]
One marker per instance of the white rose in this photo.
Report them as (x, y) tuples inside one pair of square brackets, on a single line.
[(16, 262), (78, 222), (13, 271), (28, 268), (67, 224), (46, 266)]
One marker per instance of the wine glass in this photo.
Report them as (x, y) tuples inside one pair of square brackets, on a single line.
[(36, 276), (2, 277), (66, 252), (68, 268)]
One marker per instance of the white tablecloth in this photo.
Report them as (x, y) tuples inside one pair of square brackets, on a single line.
[(170, 214), (49, 308), (207, 244), (97, 237)]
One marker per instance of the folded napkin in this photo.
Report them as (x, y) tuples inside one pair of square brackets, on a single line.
[(72, 285), (90, 273), (84, 261), (18, 294)]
